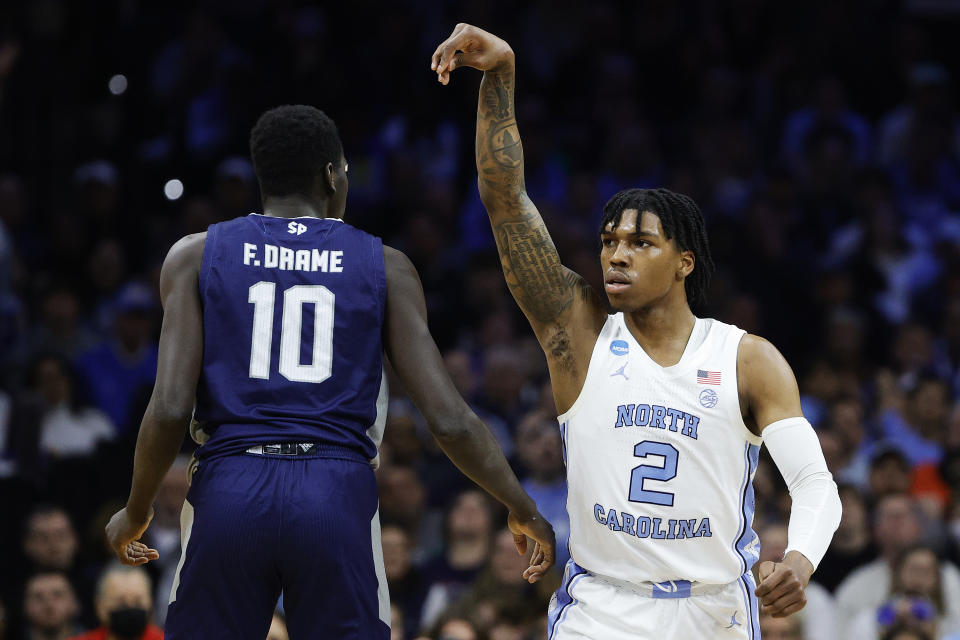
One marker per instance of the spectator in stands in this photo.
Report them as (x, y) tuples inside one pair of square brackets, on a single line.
[(898, 524), (852, 545), (916, 597), (540, 451), (469, 536), (50, 606), (124, 606), (126, 363), (920, 431), (68, 428), (408, 587)]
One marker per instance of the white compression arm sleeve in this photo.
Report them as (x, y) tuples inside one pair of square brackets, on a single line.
[(815, 514)]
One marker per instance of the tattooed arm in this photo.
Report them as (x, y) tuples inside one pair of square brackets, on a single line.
[(565, 313)]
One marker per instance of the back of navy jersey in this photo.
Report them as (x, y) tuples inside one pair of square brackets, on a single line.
[(292, 317)]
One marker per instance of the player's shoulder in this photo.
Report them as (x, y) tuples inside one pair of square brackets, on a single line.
[(186, 254), (397, 263), (761, 366)]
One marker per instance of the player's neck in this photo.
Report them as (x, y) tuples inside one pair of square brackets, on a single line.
[(297, 206), (662, 329)]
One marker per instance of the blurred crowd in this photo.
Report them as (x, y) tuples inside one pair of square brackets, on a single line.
[(822, 141)]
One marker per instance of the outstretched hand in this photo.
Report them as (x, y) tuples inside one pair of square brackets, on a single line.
[(539, 529), (469, 46), (123, 535)]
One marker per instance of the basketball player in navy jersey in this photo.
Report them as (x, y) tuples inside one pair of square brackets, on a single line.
[(662, 413), (273, 337)]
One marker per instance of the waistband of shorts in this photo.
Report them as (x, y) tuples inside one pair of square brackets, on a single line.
[(667, 589), (305, 450)]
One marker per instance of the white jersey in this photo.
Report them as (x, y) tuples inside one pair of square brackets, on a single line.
[(659, 462)]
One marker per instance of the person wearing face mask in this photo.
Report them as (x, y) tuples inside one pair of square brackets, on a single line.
[(124, 606)]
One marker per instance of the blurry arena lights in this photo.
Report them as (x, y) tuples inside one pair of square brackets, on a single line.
[(173, 189), (118, 84)]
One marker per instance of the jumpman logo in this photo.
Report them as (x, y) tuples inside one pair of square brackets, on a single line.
[(621, 372), (733, 621)]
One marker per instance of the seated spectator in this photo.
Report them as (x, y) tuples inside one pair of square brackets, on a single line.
[(403, 502), (898, 525), (124, 606), (500, 594), (919, 431), (847, 423), (916, 596), (889, 473), (469, 534), (408, 587), (788, 628), (50, 607), (851, 546), (540, 450), (818, 620), (67, 427), (119, 368)]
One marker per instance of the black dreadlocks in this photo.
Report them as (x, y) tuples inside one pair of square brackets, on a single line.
[(682, 221)]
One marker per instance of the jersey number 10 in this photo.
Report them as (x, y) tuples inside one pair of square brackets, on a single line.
[(262, 296)]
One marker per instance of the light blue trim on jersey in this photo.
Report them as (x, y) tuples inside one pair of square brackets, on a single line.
[(753, 606), (742, 491), (565, 600), (747, 546)]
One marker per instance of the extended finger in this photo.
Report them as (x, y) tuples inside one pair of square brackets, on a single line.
[(438, 53)]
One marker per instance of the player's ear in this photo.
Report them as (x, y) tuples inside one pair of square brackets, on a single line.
[(330, 175), (687, 262)]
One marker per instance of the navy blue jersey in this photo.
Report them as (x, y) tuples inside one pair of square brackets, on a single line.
[(292, 317)]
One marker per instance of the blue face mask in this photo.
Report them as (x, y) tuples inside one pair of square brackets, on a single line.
[(128, 623)]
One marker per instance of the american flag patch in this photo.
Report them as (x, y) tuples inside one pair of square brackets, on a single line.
[(708, 377)]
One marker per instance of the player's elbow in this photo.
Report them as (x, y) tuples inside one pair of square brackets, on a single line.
[(450, 426), (170, 410)]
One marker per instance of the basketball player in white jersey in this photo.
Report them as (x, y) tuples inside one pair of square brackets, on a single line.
[(662, 413)]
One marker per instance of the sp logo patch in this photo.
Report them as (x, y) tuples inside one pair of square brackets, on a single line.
[(709, 398), (619, 348)]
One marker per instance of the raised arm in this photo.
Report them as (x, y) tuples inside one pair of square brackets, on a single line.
[(464, 438), (549, 294)]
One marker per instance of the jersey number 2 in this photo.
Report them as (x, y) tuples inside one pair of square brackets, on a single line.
[(262, 296), (650, 472)]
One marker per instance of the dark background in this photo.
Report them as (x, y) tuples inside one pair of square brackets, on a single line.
[(820, 139)]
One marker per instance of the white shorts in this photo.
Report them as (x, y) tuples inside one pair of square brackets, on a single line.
[(591, 606)]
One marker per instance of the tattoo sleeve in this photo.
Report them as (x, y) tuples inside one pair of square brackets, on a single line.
[(539, 283)]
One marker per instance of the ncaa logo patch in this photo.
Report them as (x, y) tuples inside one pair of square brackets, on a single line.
[(619, 347), (709, 398)]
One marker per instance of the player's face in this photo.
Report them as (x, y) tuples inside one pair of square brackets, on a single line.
[(640, 266)]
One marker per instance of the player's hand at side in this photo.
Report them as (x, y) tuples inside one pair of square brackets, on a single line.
[(781, 588), (469, 46), (541, 531), (123, 535)]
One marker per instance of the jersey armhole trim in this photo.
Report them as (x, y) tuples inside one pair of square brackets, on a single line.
[(736, 416), (206, 260), (591, 366)]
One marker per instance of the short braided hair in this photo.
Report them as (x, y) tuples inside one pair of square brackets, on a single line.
[(682, 221), (290, 146)]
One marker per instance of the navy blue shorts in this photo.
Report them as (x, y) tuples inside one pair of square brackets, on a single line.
[(256, 525)]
